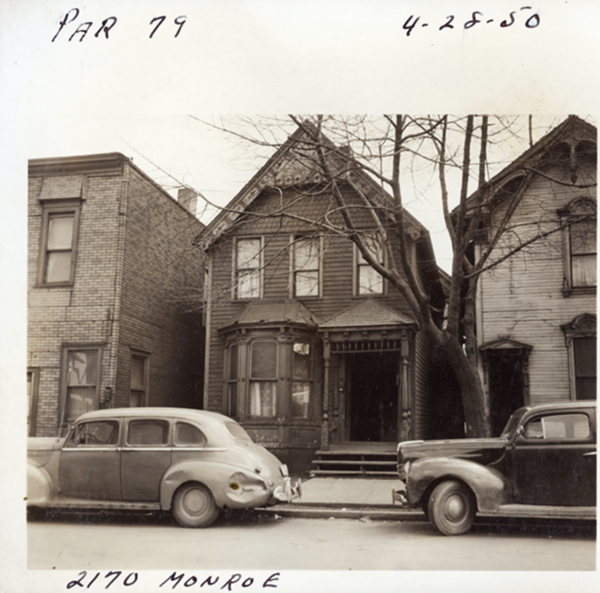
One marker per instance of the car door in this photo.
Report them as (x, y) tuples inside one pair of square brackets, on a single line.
[(554, 459), (145, 456), (90, 461)]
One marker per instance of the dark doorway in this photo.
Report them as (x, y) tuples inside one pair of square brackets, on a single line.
[(506, 386), (373, 396)]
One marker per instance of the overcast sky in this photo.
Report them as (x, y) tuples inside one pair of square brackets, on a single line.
[(133, 93)]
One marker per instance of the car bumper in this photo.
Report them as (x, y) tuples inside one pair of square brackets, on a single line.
[(399, 496)]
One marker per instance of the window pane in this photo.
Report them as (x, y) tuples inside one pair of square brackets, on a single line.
[(232, 395), (583, 270), (586, 388), (60, 231), (307, 283), (302, 361), (369, 281), (306, 254), (262, 398), (585, 357), (300, 399), (248, 253), (58, 267), (583, 238), (264, 360), (233, 362), (138, 375), (82, 367), (248, 285), (187, 434), (81, 400), (148, 432)]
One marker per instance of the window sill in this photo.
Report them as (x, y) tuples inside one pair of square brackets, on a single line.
[(567, 292), (55, 285)]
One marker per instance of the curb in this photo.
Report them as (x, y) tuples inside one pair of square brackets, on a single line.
[(316, 511)]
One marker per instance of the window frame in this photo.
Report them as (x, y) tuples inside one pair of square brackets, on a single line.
[(64, 407), (582, 327), (48, 212), (357, 264), (145, 357), (237, 271), (33, 384), (272, 380), (579, 210), (295, 241)]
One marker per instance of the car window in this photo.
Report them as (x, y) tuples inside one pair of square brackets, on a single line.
[(558, 426), (148, 432), (188, 434), (95, 433), (237, 432)]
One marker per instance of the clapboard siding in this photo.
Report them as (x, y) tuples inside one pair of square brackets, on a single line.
[(523, 297)]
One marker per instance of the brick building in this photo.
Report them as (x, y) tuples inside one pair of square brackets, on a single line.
[(113, 277)]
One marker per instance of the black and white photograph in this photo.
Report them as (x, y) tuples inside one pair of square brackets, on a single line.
[(298, 296)]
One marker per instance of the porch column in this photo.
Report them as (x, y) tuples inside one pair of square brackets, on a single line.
[(325, 403), (404, 411)]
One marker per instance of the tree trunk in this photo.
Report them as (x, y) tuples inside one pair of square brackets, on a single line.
[(475, 410)]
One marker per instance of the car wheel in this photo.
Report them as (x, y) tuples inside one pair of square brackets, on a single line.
[(452, 508), (194, 506)]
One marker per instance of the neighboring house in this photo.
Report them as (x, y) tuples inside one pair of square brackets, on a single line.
[(110, 259), (536, 311), (307, 346)]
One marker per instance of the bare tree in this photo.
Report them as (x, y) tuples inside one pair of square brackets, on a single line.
[(389, 150)]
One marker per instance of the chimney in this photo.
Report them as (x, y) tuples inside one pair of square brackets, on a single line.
[(188, 198)]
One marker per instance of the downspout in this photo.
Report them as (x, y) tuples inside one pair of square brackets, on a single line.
[(114, 319), (207, 329)]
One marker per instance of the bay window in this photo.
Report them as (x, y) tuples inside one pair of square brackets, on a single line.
[(263, 379)]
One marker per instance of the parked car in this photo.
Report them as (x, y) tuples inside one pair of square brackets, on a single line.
[(193, 462), (542, 465)]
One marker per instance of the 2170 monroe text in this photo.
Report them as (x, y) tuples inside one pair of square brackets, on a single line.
[(235, 582)]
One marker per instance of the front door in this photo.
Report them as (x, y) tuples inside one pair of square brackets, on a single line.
[(372, 404), (506, 386)]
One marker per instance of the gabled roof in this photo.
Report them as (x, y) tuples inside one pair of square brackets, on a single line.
[(369, 313), (537, 154), (285, 168)]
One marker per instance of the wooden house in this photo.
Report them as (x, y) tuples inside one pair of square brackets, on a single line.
[(310, 349), (536, 311)]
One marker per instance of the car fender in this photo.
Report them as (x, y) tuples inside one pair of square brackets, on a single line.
[(214, 475), (490, 487), (39, 485)]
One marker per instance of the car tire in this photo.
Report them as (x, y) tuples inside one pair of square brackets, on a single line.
[(194, 506), (452, 508)]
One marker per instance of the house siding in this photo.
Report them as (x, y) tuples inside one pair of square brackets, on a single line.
[(523, 297)]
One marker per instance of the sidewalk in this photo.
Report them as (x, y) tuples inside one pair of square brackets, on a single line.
[(347, 498)]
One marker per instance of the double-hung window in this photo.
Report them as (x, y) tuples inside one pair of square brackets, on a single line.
[(579, 225), (58, 244), (301, 380), (367, 280), (138, 394), (81, 368), (263, 378), (248, 268), (306, 266)]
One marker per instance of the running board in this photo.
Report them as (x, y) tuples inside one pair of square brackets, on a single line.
[(541, 512)]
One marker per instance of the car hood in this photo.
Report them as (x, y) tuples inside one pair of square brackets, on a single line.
[(483, 451)]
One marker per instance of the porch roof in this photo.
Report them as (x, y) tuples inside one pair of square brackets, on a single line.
[(369, 313)]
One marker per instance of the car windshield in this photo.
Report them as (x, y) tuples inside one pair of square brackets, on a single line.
[(513, 423), (237, 432)]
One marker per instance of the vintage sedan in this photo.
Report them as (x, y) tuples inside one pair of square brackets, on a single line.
[(193, 462), (542, 465)]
